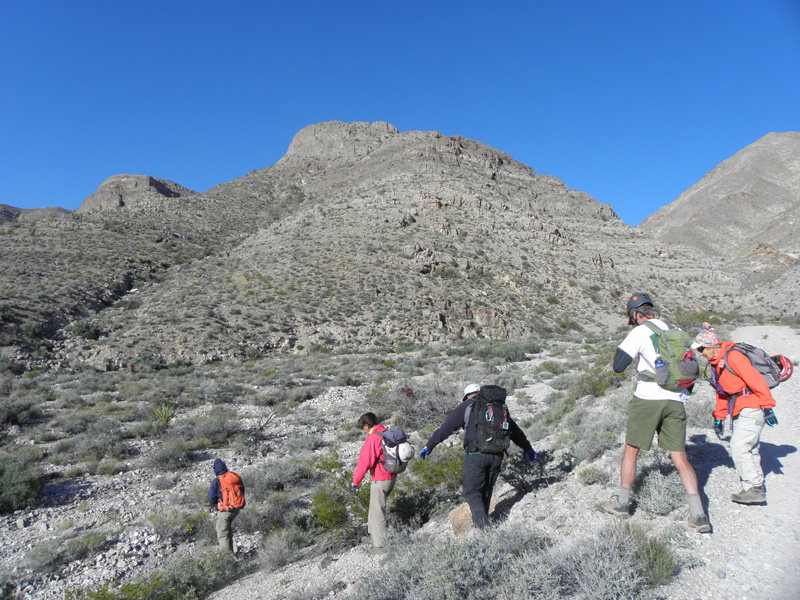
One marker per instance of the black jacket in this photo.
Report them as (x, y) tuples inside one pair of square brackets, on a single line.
[(455, 421)]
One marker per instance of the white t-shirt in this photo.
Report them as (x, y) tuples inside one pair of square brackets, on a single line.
[(638, 344)]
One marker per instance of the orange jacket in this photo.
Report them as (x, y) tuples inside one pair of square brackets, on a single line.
[(749, 383)]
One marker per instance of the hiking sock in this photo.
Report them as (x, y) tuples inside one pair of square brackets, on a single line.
[(624, 496), (696, 505)]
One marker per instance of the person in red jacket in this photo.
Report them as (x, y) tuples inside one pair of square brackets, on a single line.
[(369, 460), (743, 394)]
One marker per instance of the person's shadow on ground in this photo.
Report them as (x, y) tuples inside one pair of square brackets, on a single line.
[(704, 457), (771, 455)]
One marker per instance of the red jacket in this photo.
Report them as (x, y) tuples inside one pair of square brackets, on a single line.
[(370, 457), (747, 381)]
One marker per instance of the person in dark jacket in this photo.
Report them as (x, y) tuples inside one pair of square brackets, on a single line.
[(481, 469), (225, 514)]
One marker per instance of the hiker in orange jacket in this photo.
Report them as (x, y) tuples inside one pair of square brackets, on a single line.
[(382, 485), (228, 497), (743, 394)]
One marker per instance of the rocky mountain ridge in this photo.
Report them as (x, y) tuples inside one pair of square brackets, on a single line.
[(359, 236)]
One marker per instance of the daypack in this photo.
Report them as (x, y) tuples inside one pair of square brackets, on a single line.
[(397, 451), (492, 428), (674, 347), (774, 369), (232, 491)]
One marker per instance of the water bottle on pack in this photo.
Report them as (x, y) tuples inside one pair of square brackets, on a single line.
[(662, 371)]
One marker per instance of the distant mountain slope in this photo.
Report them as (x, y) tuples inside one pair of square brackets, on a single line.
[(360, 236), (749, 199)]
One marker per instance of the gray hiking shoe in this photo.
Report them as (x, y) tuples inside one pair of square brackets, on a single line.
[(753, 495), (701, 523), (615, 508)]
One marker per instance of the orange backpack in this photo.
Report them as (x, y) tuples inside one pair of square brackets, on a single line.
[(232, 491)]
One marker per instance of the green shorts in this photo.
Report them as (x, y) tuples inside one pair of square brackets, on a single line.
[(646, 417)]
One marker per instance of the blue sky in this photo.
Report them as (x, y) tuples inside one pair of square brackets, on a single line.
[(629, 101)]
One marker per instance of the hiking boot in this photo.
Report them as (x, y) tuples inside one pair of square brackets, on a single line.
[(615, 508), (701, 523), (754, 495)]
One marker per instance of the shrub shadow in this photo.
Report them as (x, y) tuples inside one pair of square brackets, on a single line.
[(62, 493)]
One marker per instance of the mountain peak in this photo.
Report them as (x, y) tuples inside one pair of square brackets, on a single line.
[(130, 190)]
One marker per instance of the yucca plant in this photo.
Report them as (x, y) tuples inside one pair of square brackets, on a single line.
[(164, 413)]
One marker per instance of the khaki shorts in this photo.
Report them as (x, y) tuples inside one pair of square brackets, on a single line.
[(646, 417)]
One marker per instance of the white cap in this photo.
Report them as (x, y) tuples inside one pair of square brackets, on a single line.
[(405, 451), (471, 389)]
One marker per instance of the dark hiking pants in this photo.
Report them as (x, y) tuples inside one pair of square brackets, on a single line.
[(480, 474)]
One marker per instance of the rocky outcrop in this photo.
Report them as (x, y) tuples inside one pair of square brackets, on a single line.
[(131, 190)]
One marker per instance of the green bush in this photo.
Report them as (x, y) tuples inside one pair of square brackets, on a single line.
[(19, 483), (86, 330), (18, 411), (329, 509), (428, 487)]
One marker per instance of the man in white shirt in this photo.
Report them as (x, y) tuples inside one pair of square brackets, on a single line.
[(652, 409)]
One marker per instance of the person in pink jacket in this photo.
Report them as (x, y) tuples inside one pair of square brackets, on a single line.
[(369, 460)]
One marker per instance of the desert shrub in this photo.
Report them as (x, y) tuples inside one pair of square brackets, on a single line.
[(101, 439), (172, 454), (33, 329), (181, 525), (413, 408), (19, 483), (85, 329), (217, 427), (282, 546), (430, 487), (110, 466), (162, 482), (52, 554), (659, 490), (470, 568), (18, 411), (550, 367), (184, 578), (525, 476), (594, 444), (591, 474), (329, 509), (699, 408), (268, 514)]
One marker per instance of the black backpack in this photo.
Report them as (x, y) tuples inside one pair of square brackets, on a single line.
[(492, 428)]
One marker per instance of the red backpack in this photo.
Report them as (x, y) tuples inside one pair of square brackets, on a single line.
[(232, 488)]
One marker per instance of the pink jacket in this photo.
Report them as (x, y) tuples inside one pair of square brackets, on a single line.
[(370, 456)]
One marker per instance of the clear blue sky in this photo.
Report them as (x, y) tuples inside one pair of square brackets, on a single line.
[(629, 101)]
